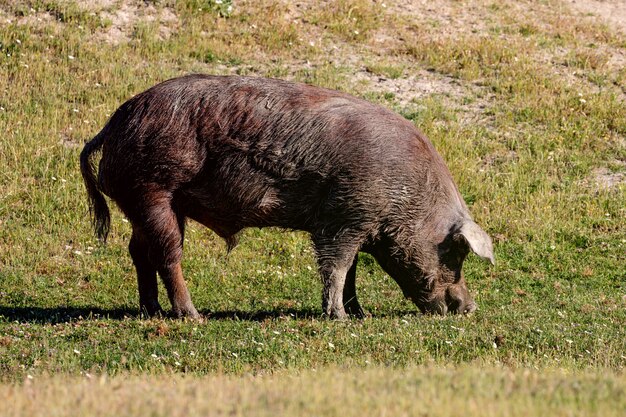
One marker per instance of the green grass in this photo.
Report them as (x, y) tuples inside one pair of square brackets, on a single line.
[(386, 70), (533, 113)]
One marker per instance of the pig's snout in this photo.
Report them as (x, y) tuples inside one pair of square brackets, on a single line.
[(443, 308), (460, 307), (458, 300), (455, 301)]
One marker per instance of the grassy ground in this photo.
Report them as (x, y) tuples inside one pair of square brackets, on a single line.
[(525, 101), (424, 391)]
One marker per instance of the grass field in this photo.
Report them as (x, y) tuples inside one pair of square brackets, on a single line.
[(375, 391), (526, 101)]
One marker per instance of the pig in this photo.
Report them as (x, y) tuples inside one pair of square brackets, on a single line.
[(233, 152)]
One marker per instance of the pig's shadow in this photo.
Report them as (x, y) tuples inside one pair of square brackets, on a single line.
[(55, 315)]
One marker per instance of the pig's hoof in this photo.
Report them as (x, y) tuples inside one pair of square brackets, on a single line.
[(355, 311), (336, 314), (152, 309), (186, 313), (360, 314)]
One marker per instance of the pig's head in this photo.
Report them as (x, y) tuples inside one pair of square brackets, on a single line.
[(429, 269)]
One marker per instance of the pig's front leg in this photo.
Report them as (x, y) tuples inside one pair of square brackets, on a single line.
[(350, 302), (335, 260)]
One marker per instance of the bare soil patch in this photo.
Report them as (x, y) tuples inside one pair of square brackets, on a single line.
[(611, 12), (125, 19), (446, 16), (605, 179)]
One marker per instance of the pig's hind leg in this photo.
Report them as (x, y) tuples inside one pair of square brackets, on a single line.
[(146, 274), (160, 230)]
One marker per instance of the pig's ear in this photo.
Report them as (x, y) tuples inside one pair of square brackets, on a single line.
[(478, 241)]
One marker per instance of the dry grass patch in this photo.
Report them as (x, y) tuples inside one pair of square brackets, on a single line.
[(329, 392), (353, 20)]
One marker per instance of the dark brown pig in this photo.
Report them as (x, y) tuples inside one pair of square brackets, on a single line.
[(237, 152)]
